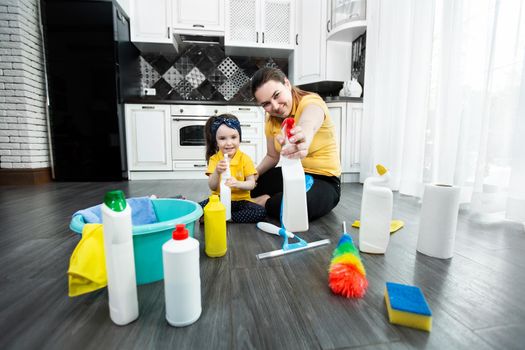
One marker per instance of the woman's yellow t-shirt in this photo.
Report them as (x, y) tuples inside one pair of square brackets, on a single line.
[(241, 166), (323, 155)]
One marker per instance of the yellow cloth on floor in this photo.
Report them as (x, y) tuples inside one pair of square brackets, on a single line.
[(87, 266), (394, 225)]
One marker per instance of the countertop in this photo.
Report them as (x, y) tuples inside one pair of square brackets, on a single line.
[(343, 99), (139, 100)]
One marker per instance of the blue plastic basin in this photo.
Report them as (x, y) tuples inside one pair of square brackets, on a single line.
[(148, 239)]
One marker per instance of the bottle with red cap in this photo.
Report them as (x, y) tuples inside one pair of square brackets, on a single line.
[(294, 206), (182, 282)]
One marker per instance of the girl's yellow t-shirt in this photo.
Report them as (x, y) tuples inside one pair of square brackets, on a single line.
[(241, 166), (323, 155)]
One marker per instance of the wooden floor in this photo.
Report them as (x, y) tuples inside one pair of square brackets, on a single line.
[(477, 298)]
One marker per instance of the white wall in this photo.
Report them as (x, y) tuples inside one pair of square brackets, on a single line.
[(23, 126)]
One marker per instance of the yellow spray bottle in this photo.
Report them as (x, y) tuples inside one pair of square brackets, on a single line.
[(215, 228)]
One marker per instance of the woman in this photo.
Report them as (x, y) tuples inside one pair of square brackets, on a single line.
[(313, 141)]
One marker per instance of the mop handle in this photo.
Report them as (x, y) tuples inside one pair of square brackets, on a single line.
[(272, 229)]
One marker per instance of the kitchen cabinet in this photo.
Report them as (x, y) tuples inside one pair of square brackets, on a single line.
[(259, 24), (347, 20), (166, 141), (198, 16), (155, 21), (309, 57), (150, 21), (315, 58), (344, 11), (348, 117), (252, 127), (148, 137)]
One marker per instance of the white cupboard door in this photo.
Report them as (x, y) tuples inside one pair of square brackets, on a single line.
[(151, 21), (337, 113), (247, 113), (277, 23), (199, 15), (148, 137), (241, 23), (354, 119), (254, 149), (310, 42)]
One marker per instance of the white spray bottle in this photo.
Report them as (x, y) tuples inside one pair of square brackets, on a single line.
[(226, 191), (295, 210), (120, 262), (376, 213)]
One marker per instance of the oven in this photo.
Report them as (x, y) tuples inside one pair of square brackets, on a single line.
[(188, 145)]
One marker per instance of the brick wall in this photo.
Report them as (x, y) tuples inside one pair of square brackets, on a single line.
[(23, 126)]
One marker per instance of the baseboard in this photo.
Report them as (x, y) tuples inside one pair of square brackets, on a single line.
[(350, 177), (25, 176)]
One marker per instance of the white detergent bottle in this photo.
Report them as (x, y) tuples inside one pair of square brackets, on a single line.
[(376, 213), (226, 191), (120, 261), (295, 210), (182, 281)]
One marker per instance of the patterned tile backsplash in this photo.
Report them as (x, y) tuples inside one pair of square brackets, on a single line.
[(203, 73)]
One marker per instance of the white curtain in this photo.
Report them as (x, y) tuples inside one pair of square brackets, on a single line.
[(445, 98)]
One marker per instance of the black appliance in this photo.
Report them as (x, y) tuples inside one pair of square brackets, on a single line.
[(92, 66)]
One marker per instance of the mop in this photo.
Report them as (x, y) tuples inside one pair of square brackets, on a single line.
[(287, 247)]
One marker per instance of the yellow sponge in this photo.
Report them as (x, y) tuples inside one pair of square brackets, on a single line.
[(407, 306), (394, 225)]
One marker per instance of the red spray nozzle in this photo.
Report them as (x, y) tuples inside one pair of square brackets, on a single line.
[(180, 232), (288, 125)]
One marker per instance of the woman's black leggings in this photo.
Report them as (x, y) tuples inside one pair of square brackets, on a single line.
[(320, 199), (243, 211)]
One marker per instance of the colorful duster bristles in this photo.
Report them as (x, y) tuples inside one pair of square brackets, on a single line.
[(347, 275)]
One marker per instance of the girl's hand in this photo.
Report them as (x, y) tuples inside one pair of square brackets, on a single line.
[(221, 167), (232, 182)]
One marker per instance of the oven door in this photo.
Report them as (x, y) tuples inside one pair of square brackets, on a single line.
[(188, 141)]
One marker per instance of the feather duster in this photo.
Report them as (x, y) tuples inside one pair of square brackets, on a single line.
[(347, 275)]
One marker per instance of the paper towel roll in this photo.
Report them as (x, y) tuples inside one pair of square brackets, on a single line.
[(438, 221)]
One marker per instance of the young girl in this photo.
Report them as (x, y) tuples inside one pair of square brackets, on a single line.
[(223, 136)]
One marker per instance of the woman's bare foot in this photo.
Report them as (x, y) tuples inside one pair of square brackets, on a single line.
[(261, 200)]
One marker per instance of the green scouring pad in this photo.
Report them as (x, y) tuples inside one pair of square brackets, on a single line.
[(407, 306)]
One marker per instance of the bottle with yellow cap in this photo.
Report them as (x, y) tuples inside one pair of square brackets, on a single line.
[(376, 213), (215, 228)]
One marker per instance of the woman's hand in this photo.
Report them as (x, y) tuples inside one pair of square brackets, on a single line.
[(221, 167), (298, 147), (302, 134)]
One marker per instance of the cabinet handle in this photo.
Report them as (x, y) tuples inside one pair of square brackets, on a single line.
[(246, 141), (328, 26), (168, 32), (246, 125), (198, 26), (244, 108), (199, 165), (148, 107), (297, 39), (181, 110), (263, 37), (257, 37)]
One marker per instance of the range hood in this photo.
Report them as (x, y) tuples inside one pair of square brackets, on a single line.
[(181, 41)]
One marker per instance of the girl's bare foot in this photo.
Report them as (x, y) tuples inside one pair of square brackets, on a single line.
[(261, 200)]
